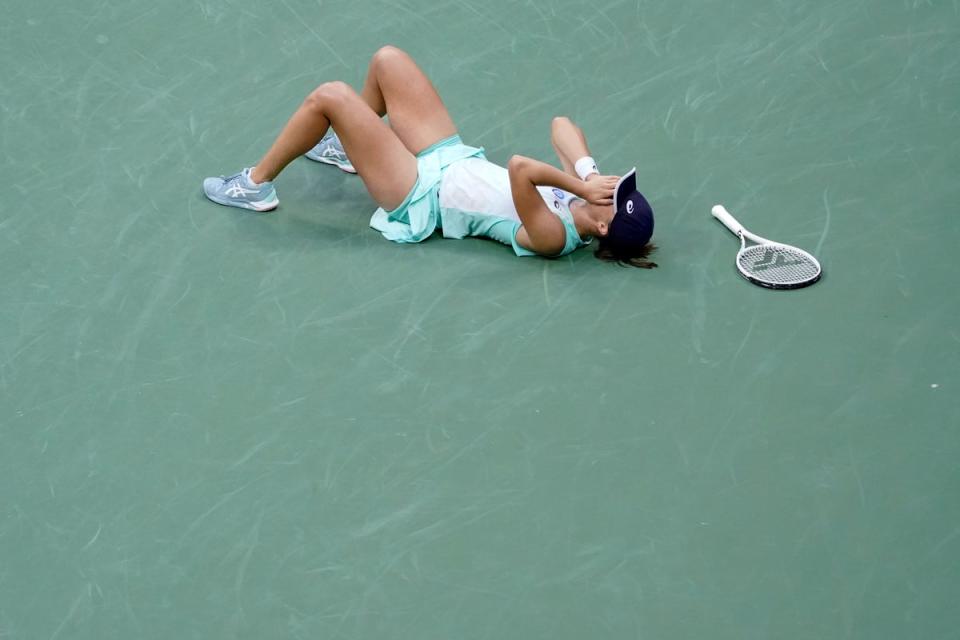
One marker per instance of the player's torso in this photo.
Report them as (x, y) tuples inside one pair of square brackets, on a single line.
[(477, 186)]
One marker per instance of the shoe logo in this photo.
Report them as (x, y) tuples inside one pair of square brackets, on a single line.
[(236, 191)]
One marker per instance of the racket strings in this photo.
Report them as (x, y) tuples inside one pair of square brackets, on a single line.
[(777, 264)]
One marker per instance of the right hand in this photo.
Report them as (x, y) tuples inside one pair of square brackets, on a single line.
[(599, 189)]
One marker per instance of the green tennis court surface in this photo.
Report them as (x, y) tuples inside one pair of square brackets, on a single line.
[(215, 424)]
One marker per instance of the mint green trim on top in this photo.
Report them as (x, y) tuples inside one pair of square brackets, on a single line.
[(418, 216), (458, 224), (572, 242)]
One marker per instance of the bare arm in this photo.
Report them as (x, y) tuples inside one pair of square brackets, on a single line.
[(569, 143), (542, 231)]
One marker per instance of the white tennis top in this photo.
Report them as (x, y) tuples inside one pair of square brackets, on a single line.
[(475, 200)]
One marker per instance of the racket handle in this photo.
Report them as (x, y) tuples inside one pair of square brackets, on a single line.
[(721, 214)]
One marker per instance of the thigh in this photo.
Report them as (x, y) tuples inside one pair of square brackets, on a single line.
[(387, 167), (414, 107)]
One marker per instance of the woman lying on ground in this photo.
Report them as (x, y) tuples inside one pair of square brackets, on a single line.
[(424, 178)]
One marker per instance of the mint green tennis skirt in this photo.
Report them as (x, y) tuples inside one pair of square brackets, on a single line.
[(418, 215)]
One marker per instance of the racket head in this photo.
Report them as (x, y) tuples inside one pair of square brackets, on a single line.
[(777, 266)]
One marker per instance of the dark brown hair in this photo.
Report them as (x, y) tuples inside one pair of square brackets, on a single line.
[(641, 259)]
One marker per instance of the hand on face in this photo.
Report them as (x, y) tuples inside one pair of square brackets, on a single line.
[(599, 189)]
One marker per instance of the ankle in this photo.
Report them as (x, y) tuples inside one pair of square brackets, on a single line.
[(256, 177)]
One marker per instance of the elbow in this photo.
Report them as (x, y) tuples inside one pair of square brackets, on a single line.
[(560, 128), (559, 125), (560, 121), (517, 164)]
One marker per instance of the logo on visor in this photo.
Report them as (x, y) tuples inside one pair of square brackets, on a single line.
[(558, 193), (629, 206)]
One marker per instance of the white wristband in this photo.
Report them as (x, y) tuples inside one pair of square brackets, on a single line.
[(586, 166)]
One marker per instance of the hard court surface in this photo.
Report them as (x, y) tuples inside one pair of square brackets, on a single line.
[(215, 424)]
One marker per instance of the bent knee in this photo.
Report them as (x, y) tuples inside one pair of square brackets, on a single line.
[(389, 53), (327, 94)]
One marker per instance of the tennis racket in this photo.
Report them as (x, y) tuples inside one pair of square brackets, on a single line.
[(767, 263)]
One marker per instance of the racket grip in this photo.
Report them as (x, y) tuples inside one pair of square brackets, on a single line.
[(721, 214)]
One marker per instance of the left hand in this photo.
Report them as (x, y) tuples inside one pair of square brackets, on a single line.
[(599, 189)]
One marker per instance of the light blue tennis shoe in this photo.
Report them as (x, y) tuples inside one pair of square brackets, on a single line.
[(330, 151), (239, 190)]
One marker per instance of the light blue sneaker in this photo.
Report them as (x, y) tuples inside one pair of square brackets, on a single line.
[(239, 190), (330, 151)]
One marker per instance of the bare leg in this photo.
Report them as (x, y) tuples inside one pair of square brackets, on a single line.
[(371, 92), (387, 167), (383, 155), (304, 129), (396, 86)]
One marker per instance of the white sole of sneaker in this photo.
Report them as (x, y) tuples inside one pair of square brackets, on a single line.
[(260, 207), (342, 167)]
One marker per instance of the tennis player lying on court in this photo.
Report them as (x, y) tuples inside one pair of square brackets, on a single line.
[(424, 178)]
